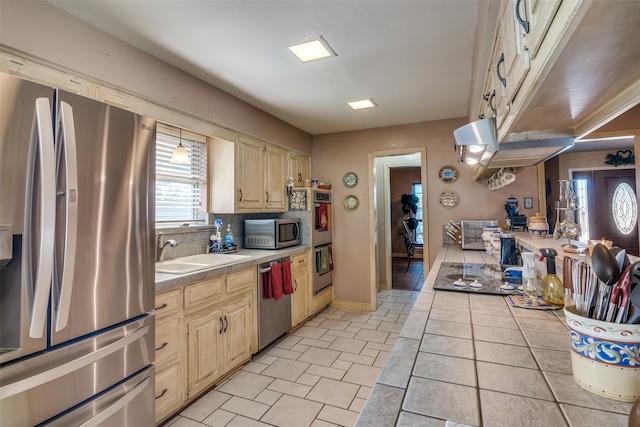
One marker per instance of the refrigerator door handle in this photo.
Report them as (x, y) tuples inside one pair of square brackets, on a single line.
[(66, 152), (28, 383), (118, 404), (41, 151)]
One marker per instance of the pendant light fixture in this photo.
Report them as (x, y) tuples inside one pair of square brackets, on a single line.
[(180, 155)]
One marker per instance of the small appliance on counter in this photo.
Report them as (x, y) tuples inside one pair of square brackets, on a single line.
[(275, 233), (471, 233), (509, 253)]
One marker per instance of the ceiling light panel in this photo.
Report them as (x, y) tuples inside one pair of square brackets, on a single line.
[(312, 49), (362, 104)]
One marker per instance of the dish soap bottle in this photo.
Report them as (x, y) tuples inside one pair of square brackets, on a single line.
[(228, 238), (552, 289)]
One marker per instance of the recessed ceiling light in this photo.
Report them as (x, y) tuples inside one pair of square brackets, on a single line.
[(312, 49), (476, 148), (362, 103)]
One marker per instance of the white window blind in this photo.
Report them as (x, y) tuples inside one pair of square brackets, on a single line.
[(181, 190)]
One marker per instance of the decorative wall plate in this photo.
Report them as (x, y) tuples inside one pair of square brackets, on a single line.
[(350, 179), (448, 199), (351, 203), (448, 174)]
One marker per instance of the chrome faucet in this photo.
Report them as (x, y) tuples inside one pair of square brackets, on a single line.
[(162, 245)]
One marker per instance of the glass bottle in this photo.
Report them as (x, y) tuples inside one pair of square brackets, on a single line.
[(552, 289)]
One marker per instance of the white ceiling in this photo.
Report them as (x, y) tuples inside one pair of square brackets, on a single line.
[(414, 58)]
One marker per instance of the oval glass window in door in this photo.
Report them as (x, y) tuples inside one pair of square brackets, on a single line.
[(624, 206)]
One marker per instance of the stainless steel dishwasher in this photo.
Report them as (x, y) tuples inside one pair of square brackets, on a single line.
[(274, 317)]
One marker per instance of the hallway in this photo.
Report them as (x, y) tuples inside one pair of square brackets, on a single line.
[(318, 376), (410, 279)]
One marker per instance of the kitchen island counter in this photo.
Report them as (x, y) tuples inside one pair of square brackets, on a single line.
[(474, 359)]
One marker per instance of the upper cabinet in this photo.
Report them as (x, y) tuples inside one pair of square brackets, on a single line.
[(561, 67), (247, 175), (299, 168)]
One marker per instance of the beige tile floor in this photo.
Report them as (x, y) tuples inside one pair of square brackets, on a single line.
[(318, 376)]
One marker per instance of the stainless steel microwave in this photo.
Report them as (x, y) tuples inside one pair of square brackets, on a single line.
[(273, 233)]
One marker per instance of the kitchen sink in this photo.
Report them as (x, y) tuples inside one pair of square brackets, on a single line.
[(193, 263)]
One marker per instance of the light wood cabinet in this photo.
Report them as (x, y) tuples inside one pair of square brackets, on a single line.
[(250, 165), (169, 386), (204, 349), (247, 175), (516, 54), (321, 300), (204, 330), (301, 298), (275, 178), (539, 14), (299, 168), (169, 390), (237, 333)]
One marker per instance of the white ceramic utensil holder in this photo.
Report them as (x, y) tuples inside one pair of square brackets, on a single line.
[(605, 356)]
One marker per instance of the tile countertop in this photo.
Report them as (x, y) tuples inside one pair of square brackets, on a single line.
[(166, 281), (473, 359)]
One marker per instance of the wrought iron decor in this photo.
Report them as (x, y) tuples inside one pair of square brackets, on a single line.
[(621, 158)]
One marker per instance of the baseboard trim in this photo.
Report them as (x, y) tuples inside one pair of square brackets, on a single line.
[(352, 305)]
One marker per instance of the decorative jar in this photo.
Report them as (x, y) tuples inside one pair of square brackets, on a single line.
[(605, 356), (538, 226)]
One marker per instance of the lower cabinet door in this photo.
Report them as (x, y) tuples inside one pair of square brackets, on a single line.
[(205, 337), (238, 331), (168, 390)]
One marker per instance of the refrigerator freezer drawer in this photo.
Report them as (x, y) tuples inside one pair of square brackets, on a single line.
[(37, 389), (129, 404)]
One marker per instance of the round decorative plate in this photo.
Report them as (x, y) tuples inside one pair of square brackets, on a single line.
[(351, 203), (448, 174), (350, 179), (448, 199)]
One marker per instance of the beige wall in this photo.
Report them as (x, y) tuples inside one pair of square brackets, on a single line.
[(56, 37), (336, 154)]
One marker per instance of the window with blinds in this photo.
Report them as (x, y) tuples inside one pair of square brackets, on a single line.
[(181, 190)]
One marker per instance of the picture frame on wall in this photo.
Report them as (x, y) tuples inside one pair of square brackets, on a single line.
[(528, 202)]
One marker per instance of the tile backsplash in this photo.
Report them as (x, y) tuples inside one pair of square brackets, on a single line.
[(193, 240)]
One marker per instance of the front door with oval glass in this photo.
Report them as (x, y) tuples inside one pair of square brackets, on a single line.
[(612, 206)]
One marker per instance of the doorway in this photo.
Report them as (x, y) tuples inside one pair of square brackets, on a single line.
[(611, 208), (381, 164), (406, 227)]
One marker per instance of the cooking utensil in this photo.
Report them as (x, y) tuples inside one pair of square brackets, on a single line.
[(619, 299), (607, 269), (634, 295), (604, 264), (620, 256)]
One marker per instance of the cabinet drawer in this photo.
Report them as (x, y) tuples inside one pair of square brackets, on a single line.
[(167, 303), (300, 261), (203, 292), (168, 341), (168, 390), (242, 279)]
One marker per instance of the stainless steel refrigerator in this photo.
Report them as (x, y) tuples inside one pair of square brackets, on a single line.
[(76, 260)]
